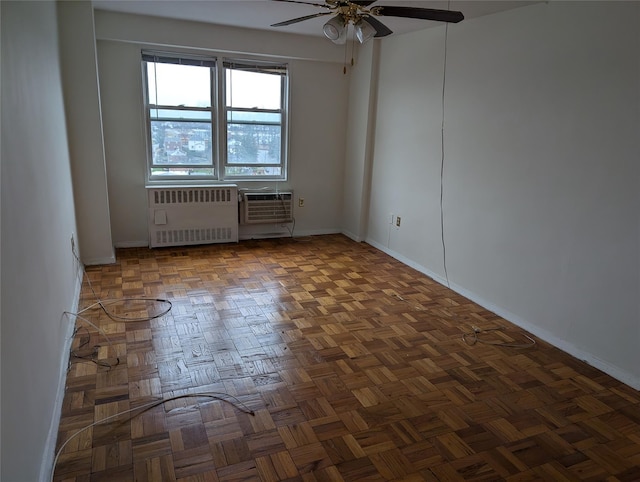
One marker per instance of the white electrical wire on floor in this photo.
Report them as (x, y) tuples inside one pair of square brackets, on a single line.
[(236, 403), (100, 330), (471, 338), (102, 303), (225, 397), (113, 316)]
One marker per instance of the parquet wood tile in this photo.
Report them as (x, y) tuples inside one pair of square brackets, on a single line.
[(352, 364)]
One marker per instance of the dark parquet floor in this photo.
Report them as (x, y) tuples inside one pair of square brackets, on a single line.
[(352, 363)]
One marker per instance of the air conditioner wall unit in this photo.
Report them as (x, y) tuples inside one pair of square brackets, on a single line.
[(266, 207), (193, 215)]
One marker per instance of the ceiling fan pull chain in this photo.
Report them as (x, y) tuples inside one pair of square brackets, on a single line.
[(353, 49), (346, 48)]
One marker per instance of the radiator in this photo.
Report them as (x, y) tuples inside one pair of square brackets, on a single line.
[(194, 215), (266, 207)]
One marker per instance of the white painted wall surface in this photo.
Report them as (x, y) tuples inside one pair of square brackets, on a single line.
[(39, 278), (124, 134), (122, 27), (84, 125), (360, 130), (406, 165), (317, 127), (541, 172)]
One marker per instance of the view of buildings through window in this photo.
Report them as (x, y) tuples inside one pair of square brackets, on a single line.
[(185, 127), (254, 120)]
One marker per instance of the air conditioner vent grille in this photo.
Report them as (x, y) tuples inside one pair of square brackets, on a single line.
[(262, 208)]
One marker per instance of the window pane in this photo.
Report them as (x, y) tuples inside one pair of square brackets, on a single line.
[(253, 90), (174, 84), (248, 171), (181, 143), (253, 144), (258, 117), (182, 171), (204, 115)]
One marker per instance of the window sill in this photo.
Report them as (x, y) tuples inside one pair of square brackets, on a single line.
[(189, 184)]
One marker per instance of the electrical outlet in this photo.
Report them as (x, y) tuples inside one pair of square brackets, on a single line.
[(301, 202), (398, 219)]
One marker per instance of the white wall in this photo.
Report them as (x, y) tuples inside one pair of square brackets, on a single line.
[(122, 27), (541, 176), (84, 126), (406, 166), (317, 117), (360, 131), (39, 279), (125, 151), (317, 134)]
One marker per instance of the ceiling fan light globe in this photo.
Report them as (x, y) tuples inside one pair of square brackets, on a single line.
[(364, 31), (331, 32), (335, 30)]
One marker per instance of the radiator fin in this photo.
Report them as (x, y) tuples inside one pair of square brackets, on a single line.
[(163, 197), (173, 237)]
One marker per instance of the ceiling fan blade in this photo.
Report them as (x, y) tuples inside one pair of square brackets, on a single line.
[(362, 3), (422, 13), (321, 5), (299, 19), (381, 29)]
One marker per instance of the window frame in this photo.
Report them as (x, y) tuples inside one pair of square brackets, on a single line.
[(218, 119), (249, 65), (181, 59)]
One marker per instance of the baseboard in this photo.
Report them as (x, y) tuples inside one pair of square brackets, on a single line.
[(241, 237), (99, 261), (412, 264), (352, 236), (249, 236), (602, 365), (132, 244), (315, 232), (547, 336), (296, 234), (50, 445)]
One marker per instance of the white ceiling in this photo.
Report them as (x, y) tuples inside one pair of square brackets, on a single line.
[(260, 14)]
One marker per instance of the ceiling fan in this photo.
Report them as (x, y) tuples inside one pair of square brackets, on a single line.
[(363, 18)]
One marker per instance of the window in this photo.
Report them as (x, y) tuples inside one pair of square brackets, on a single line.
[(191, 138), (181, 116), (254, 119)]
